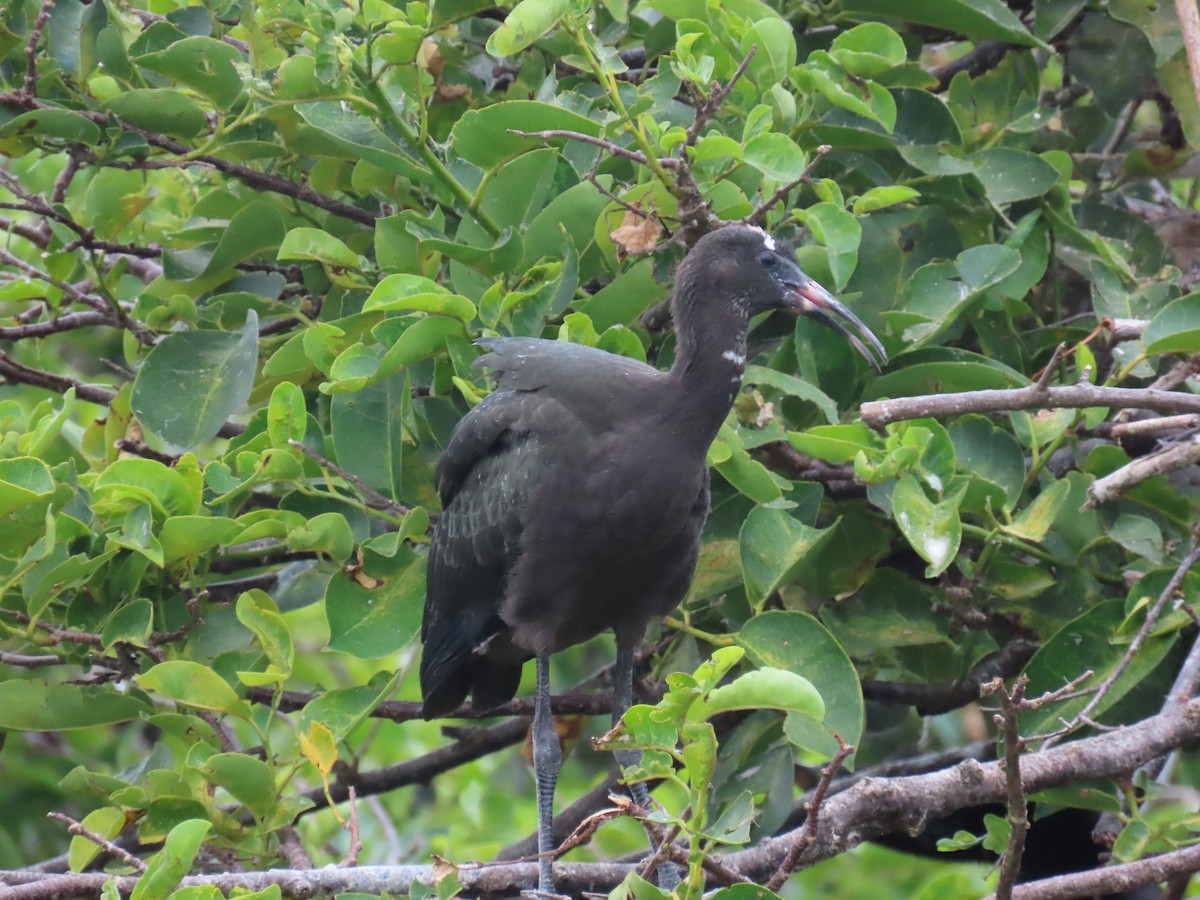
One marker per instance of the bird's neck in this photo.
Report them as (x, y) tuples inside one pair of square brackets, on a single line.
[(710, 360)]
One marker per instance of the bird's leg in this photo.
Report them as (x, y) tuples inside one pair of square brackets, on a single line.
[(668, 873), (547, 756)]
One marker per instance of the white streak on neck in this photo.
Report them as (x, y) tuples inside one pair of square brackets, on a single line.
[(738, 359)]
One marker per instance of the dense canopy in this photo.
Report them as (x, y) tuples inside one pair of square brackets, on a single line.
[(248, 247)]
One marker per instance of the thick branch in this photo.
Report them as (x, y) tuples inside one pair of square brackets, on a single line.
[(871, 808), (878, 413)]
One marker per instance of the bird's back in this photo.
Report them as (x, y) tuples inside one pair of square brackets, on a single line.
[(559, 520)]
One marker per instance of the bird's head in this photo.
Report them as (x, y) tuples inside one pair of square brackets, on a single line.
[(747, 265)]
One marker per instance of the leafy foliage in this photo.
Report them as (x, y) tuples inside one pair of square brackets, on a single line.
[(249, 246)]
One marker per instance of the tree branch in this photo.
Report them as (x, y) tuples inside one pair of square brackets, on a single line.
[(878, 413)]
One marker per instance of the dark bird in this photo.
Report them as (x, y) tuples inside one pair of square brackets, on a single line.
[(575, 494)]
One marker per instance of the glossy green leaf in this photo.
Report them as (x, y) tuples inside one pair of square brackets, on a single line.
[(169, 866), (376, 609), (1175, 329), (192, 684), (524, 24), (250, 781), (773, 545), (163, 111), (775, 155), (203, 63), (32, 705), (483, 136), (933, 529), (217, 366), (797, 642), (315, 244)]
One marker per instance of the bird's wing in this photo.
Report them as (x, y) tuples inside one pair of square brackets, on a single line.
[(531, 364), (485, 478)]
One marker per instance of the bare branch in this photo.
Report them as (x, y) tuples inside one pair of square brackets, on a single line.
[(378, 500), (609, 146), (29, 88), (1170, 459), (808, 833), (756, 217), (22, 661), (1113, 879), (1135, 646), (1018, 807), (1144, 427), (116, 850), (878, 413)]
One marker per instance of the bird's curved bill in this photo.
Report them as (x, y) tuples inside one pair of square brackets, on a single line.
[(814, 301)]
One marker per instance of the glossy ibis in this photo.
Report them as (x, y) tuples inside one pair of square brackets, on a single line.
[(574, 495)]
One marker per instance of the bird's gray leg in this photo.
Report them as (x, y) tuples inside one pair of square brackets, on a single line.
[(668, 873), (547, 756)]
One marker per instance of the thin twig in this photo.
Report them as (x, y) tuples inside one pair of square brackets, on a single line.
[(1018, 808), (99, 840), (22, 661), (377, 499), (614, 149), (355, 842), (808, 833), (29, 88), (1189, 22), (756, 217), (707, 108), (1151, 620)]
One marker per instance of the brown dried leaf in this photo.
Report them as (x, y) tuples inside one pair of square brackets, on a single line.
[(637, 233)]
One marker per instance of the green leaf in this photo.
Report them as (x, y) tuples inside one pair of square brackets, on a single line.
[(192, 684), (250, 781), (287, 418), (766, 688), (257, 611), (413, 293), (108, 822), (775, 155), (131, 624), (525, 23), (839, 231), (1010, 175), (972, 18), (169, 866), (933, 529), (189, 537), (23, 481), (32, 705), (482, 136), (163, 111), (379, 461), (203, 63), (1097, 641), (375, 609), (52, 123), (773, 545), (798, 643), (883, 197), (868, 50), (315, 244), (1032, 523), (1175, 329), (218, 368), (793, 386)]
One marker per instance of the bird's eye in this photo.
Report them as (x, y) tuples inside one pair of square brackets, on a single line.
[(768, 260)]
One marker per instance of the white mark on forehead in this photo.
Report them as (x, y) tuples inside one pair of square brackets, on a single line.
[(768, 241)]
